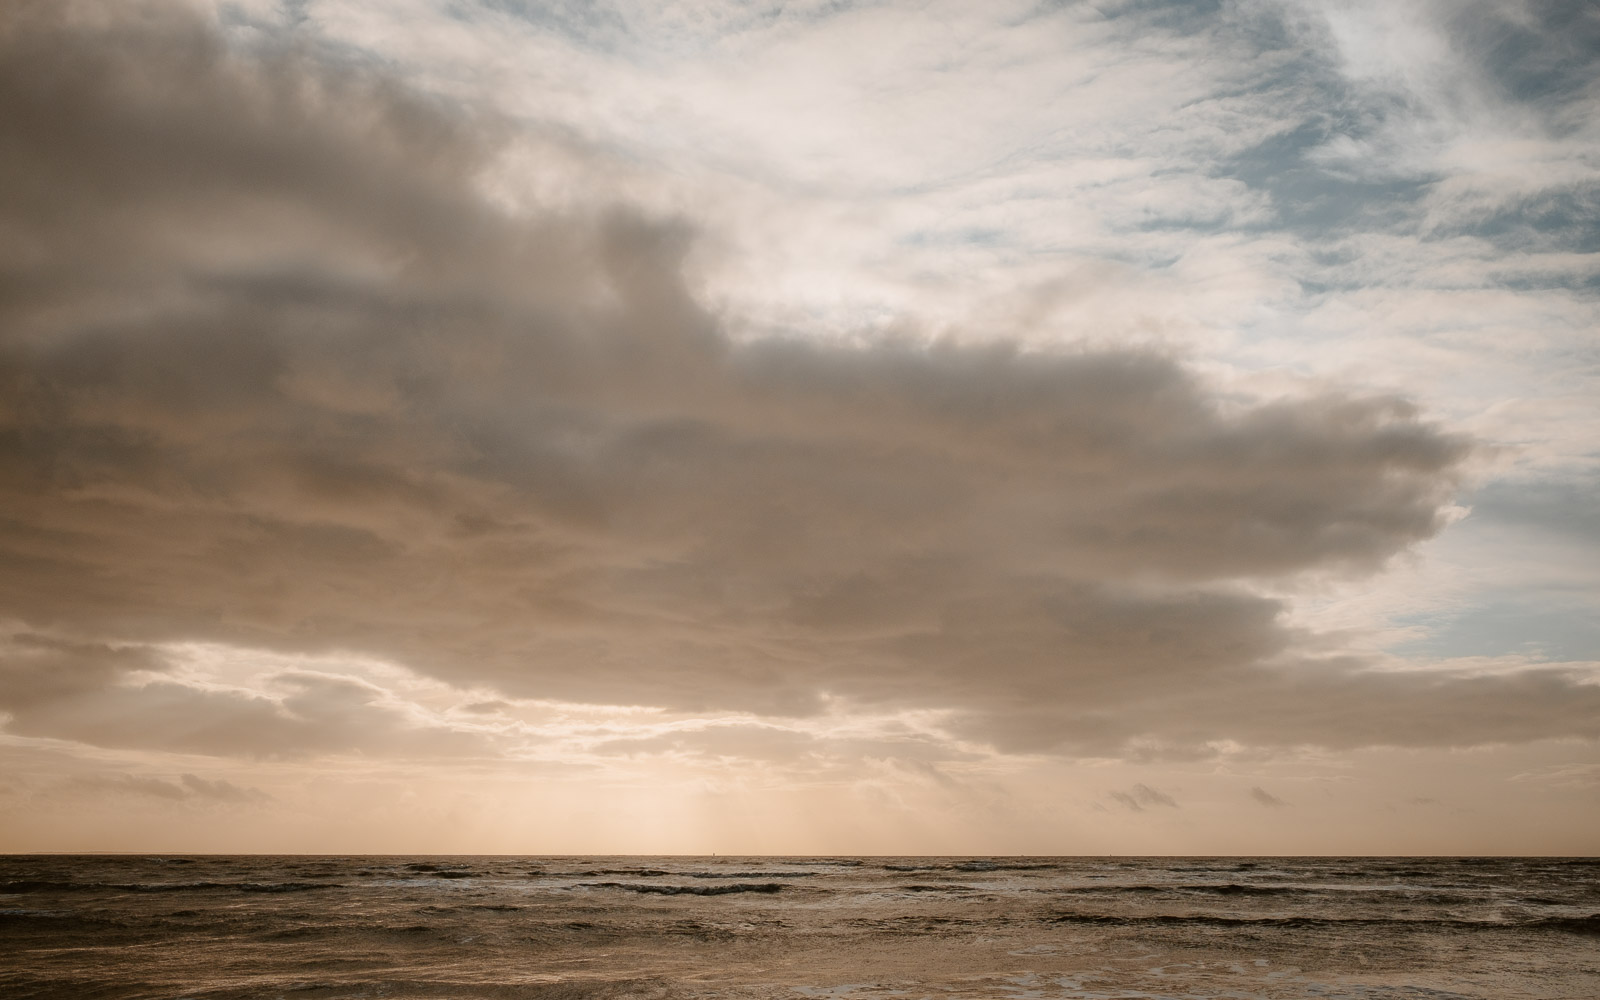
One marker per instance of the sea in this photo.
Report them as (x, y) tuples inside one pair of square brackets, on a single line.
[(842, 928)]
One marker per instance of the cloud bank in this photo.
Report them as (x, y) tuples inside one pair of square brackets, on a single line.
[(278, 371)]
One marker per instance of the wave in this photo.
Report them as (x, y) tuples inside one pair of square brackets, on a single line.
[(440, 871), (40, 885), (298, 933), (937, 888), (65, 921), (20, 886), (977, 866), (688, 890), (1574, 925), (1224, 889), (1577, 925), (1235, 889), (750, 874), (437, 910)]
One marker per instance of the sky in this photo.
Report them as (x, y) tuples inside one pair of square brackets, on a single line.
[(1119, 427)]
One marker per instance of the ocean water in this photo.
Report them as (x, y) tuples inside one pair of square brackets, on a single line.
[(798, 928)]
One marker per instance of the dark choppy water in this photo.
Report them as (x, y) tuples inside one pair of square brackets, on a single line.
[(798, 929)]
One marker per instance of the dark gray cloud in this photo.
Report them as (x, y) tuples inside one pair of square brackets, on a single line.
[(274, 372), (1337, 704), (38, 670), (1266, 798), (1139, 796)]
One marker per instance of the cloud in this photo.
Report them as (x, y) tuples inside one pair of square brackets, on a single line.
[(39, 669), (127, 784), (736, 740), (1483, 104), (187, 788), (794, 747), (279, 372), (118, 696), (1140, 796), (1578, 775), (1266, 798), (222, 790)]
